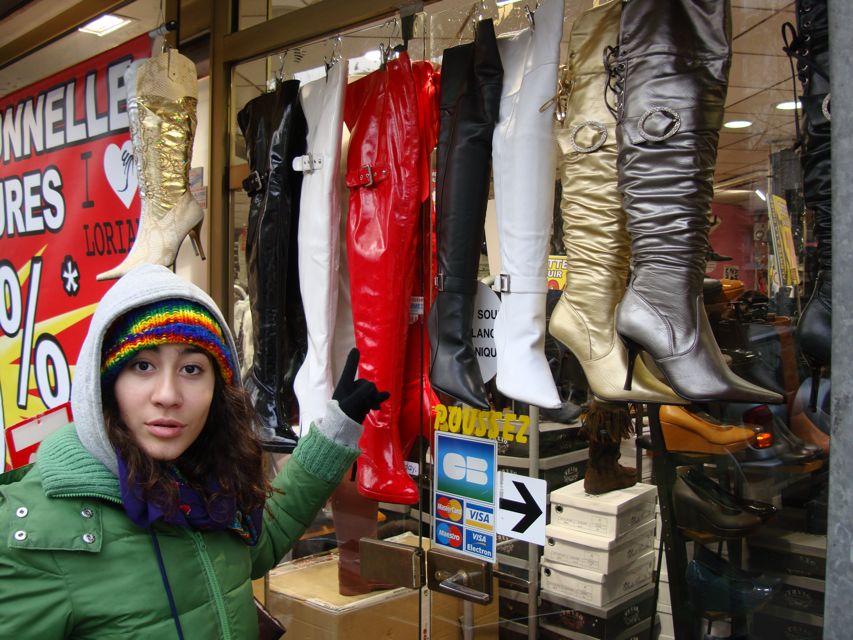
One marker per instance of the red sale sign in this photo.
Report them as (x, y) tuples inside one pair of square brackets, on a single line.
[(68, 211)]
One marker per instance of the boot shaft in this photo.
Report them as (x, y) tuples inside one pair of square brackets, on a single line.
[(162, 106)]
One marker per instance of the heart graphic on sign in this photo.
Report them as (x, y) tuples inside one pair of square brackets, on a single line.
[(120, 169)]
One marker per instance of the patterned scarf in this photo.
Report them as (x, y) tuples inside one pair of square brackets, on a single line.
[(193, 512)]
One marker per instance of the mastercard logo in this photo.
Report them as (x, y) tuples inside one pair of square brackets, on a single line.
[(449, 535), (449, 509)]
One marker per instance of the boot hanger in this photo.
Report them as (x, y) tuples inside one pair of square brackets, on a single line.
[(335, 56)]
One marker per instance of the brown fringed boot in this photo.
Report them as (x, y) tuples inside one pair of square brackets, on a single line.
[(606, 426)]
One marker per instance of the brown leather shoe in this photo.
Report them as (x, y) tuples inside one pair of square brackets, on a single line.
[(698, 432)]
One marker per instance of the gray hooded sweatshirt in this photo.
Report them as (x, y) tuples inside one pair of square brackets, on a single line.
[(141, 286)]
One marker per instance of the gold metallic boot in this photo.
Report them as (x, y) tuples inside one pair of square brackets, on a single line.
[(161, 108), (594, 234)]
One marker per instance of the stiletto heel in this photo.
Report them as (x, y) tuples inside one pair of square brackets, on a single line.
[(195, 239), (815, 385), (631, 346)]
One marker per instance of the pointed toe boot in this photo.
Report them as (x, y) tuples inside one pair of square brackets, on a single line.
[(524, 169), (670, 76), (810, 48), (273, 126), (470, 92), (594, 234)]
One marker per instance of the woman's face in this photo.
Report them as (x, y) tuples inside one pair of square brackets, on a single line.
[(164, 395)]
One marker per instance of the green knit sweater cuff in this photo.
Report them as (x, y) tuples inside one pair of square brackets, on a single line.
[(322, 457)]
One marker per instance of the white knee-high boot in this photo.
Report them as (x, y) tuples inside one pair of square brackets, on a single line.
[(322, 268), (524, 172)]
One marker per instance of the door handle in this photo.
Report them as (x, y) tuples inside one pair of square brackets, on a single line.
[(455, 586), (460, 576)]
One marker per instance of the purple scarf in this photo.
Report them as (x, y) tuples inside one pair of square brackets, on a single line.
[(193, 512)]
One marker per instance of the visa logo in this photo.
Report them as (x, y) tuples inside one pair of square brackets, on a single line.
[(481, 517)]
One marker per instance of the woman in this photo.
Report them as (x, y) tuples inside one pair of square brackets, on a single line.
[(149, 516)]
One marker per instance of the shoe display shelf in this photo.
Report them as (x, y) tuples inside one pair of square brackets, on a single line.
[(556, 470)]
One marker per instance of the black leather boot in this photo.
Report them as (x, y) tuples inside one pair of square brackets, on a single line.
[(670, 75), (470, 97), (274, 128), (810, 46)]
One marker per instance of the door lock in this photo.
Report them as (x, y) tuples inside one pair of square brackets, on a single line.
[(459, 576)]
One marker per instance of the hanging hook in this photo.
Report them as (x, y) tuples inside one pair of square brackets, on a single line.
[(281, 58), (529, 14), (335, 55)]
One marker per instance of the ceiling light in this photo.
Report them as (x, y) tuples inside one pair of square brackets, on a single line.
[(789, 105), (107, 23), (374, 55), (761, 195), (737, 124), (500, 3)]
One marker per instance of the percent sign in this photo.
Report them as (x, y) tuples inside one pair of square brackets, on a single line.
[(53, 380)]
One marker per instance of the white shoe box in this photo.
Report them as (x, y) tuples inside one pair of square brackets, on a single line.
[(596, 553), (610, 515), (593, 587)]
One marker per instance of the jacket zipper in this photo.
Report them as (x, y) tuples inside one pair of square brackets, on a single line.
[(218, 600)]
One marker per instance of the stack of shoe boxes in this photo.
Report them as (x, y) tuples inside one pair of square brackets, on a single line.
[(799, 559), (596, 570), (664, 608)]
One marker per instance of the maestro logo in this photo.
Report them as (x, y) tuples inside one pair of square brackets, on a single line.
[(449, 509), (449, 535)]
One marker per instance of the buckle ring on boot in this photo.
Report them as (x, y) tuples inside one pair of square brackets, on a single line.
[(824, 107), (595, 146), (676, 124)]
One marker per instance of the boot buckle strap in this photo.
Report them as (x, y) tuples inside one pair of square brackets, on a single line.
[(452, 284), (366, 176), (600, 128), (253, 183), (671, 130), (520, 284), (307, 163)]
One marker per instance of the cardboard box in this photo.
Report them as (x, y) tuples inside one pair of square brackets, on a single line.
[(639, 631), (796, 593), (304, 597), (793, 552), (556, 471), (597, 553), (592, 587), (602, 623), (772, 623), (554, 439), (610, 514)]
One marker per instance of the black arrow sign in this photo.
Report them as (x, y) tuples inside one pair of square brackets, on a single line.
[(528, 508)]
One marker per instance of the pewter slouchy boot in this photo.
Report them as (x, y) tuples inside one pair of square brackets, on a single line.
[(671, 76), (162, 94), (811, 49), (524, 169), (470, 97), (594, 234)]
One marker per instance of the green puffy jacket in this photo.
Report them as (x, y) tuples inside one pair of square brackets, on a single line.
[(73, 565)]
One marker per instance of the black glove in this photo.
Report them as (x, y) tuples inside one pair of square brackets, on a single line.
[(357, 397)]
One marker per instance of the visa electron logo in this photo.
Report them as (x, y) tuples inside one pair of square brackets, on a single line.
[(471, 469), (449, 509), (448, 534)]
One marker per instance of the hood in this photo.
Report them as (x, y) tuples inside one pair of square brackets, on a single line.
[(144, 284)]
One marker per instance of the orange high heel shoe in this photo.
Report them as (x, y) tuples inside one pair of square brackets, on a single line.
[(697, 432)]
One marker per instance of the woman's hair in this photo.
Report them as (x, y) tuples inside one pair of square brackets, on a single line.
[(226, 450)]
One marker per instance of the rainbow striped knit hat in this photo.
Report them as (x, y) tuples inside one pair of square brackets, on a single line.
[(170, 321)]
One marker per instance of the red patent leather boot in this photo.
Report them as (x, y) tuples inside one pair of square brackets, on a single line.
[(384, 176)]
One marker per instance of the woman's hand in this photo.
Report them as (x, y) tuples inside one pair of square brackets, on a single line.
[(357, 397)]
